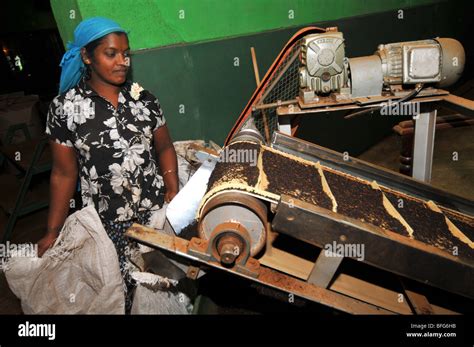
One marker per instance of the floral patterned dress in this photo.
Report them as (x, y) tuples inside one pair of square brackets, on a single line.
[(116, 156)]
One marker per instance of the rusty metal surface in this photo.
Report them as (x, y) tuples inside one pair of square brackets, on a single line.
[(266, 276), (333, 106), (152, 237), (311, 292), (274, 104), (231, 245), (371, 100), (193, 272)]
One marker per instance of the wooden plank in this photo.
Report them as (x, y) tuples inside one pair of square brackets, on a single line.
[(283, 261), (368, 292), (377, 295), (198, 147), (287, 263), (344, 283), (457, 100), (419, 302)]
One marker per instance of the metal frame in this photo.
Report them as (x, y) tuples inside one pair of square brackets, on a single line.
[(414, 259), (265, 276), (425, 127), (425, 124), (344, 293), (300, 220)]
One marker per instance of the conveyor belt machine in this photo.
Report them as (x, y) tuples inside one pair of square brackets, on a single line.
[(345, 208)]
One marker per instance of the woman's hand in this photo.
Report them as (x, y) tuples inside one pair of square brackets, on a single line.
[(46, 242), (169, 195)]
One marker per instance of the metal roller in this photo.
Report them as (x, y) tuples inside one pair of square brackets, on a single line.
[(249, 132), (239, 220)]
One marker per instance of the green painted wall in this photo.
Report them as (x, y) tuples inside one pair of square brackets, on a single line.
[(202, 78), (156, 23)]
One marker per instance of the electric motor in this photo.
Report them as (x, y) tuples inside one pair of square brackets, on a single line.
[(325, 69), (324, 64)]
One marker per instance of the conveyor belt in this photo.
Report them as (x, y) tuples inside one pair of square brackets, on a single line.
[(279, 173), (339, 193)]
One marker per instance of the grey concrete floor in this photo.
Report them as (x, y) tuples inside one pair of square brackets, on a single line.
[(448, 174)]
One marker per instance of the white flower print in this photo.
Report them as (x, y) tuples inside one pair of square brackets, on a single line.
[(149, 169), (92, 187), (133, 158), (135, 91), (103, 204), (85, 108), (88, 189), (77, 109), (157, 183), (139, 110), (124, 213), (111, 122), (146, 203), (132, 128), (84, 149), (93, 173), (118, 180), (114, 135), (147, 132), (89, 186), (70, 94), (131, 154)]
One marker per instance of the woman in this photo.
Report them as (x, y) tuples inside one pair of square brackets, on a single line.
[(111, 133)]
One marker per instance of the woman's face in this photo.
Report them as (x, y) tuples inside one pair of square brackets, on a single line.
[(111, 59)]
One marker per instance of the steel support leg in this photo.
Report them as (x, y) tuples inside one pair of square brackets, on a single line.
[(324, 269), (425, 126)]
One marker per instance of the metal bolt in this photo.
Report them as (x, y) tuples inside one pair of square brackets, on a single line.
[(229, 252)]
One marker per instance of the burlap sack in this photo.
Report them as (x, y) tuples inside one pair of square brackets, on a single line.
[(79, 275)]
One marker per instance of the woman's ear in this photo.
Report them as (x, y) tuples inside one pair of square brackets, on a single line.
[(85, 57)]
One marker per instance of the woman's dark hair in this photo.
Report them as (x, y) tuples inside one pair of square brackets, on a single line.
[(90, 49)]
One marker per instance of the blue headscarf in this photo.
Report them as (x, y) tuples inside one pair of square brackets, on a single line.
[(87, 31)]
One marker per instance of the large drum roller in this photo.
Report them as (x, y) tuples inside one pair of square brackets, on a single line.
[(235, 222)]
